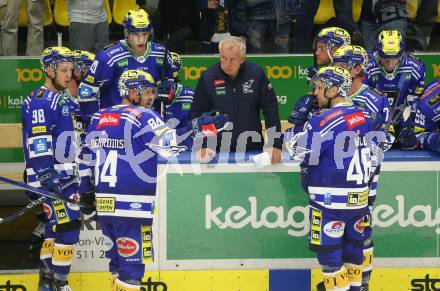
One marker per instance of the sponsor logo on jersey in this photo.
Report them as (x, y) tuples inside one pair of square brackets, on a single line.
[(109, 119), (85, 91), (219, 83), (135, 205), (315, 234), (90, 79), (355, 119), (247, 87), (127, 247), (105, 204), (186, 105), (65, 110), (334, 229), (434, 100), (40, 145), (357, 198), (359, 225), (60, 211), (122, 63), (330, 117), (38, 129), (220, 90), (47, 210)]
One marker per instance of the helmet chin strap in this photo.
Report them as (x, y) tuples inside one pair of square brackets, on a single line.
[(329, 100)]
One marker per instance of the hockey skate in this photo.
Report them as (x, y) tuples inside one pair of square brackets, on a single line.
[(320, 286), (45, 282), (61, 286)]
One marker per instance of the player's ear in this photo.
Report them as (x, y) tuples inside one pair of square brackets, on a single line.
[(132, 96), (50, 72)]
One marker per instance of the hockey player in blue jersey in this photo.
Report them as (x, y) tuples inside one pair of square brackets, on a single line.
[(334, 149), (126, 193), (355, 59), (327, 42), (396, 73), (100, 85), (82, 61), (47, 143), (424, 132), (177, 99)]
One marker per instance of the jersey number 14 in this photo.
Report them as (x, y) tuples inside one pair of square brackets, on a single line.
[(108, 172)]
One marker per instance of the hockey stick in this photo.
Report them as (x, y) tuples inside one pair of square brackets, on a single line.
[(20, 212), (43, 192), (381, 144)]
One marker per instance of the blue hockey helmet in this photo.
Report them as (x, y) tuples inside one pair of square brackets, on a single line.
[(335, 76), (334, 37), (135, 79), (83, 59), (352, 55), (54, 55)]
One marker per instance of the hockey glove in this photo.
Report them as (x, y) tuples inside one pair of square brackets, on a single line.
[(407, 138), (301, 110), (429, 140), (166, 91), (209, 124), (88, 199), (50, 180)]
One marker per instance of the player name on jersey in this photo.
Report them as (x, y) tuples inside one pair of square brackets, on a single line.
[(101, 142)]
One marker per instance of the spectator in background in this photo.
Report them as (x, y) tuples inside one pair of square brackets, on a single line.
[(88, 29), (379, 15), (214, 23), (9, 27), (419, 32), (266, 16), (304, 22), (240, 89), (178, 19)]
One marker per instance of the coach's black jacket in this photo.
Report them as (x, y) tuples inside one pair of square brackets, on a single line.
[(241, 99)]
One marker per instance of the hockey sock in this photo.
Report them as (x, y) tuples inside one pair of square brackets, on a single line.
[(354, 273), (61, 260), (367, 265), (336, 280)]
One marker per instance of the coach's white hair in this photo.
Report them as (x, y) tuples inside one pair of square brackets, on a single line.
[(233, 41)]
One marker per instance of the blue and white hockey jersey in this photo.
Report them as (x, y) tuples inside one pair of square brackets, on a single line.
[(48, 135), (375, 103), (99, 88), (122, 146), (78, 117), (428, 109), (180, 109), (407, 81), (337, 173), (378, 107)]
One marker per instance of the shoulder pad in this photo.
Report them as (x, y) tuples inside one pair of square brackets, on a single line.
[(38, 93), (109, 46), (320, 112), (157, 46), (377, 91), (413, 56)]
